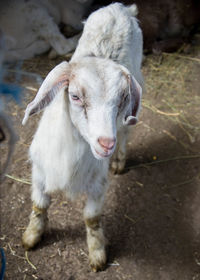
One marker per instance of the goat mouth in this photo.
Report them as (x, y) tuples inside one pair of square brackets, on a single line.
[(103, 155)]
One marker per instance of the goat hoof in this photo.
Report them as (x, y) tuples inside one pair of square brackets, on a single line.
[(117, 166), (34, 231), (30, 239), (97, 260)]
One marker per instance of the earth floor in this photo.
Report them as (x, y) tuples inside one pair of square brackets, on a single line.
[(152, 211)]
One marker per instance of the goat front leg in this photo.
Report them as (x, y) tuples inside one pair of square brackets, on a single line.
[(96, 240), (38, 217), (118, 159)]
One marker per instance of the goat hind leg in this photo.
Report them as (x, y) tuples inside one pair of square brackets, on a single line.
[(118, 159)]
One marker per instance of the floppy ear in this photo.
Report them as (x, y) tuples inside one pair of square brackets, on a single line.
[(53, 83), (135, 92)]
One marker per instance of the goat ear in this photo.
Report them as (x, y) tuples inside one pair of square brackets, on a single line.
[(53, 83), (135, 92)]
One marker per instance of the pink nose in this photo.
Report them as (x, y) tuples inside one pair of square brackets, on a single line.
[(107, 143)]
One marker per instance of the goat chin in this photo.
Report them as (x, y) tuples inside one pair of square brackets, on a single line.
[(100, 155)]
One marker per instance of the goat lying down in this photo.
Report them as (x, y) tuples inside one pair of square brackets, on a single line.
[(88, 104), (32, 27)]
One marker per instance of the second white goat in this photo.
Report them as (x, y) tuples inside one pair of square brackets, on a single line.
[(88, 104), (32, 27)]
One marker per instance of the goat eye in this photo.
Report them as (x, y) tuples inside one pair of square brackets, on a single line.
[(75, 97)]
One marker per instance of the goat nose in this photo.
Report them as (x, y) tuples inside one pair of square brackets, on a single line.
[(107, 143)]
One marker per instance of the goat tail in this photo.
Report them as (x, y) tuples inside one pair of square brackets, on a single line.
[(133, 10)]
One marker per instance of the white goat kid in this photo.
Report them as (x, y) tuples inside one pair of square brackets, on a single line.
[(88, 102)]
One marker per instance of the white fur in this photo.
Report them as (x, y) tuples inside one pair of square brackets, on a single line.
[(113, 32), (66, 152), (31, 27)]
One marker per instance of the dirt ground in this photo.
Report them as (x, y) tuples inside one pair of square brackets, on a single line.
[(152, 211)]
